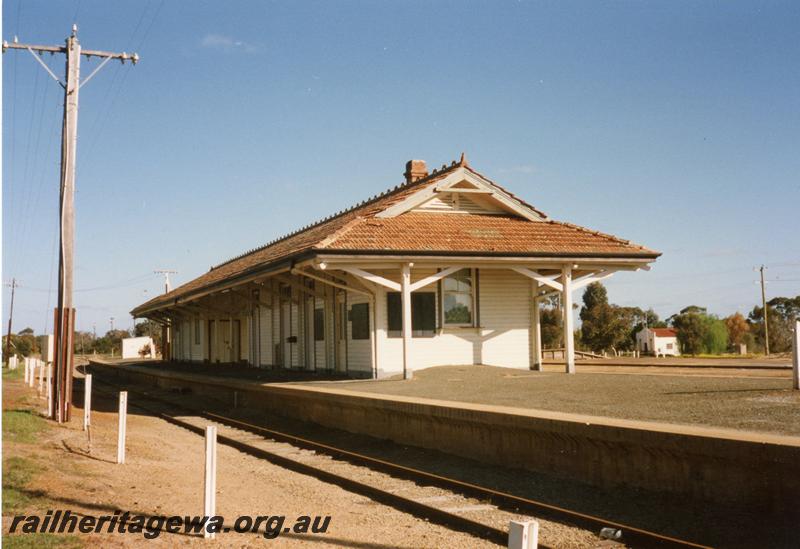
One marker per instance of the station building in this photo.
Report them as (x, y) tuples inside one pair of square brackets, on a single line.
[(446, 268)]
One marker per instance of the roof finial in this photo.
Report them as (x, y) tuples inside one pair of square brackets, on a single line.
[(463, 161)]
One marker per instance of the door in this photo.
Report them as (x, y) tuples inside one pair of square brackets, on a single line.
[(236, 341), (225, 340), (340, 331), (286, 326), (212, 342)]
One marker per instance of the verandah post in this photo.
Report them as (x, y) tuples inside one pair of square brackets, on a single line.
[(569, 329), (405, 287)]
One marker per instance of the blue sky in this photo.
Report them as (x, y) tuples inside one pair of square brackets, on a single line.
[(673, 124)]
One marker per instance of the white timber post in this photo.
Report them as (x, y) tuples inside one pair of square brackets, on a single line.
[(41, 377), (523, 535), (210, 498), (405, 293), (87, 401), (373, 316), (123, 418), (569, 328), (50, 389), (796, 356), (32, 375), (536, 329)]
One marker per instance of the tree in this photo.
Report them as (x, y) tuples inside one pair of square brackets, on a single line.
[(551, 324), (605, 326), (715, 338), (781, 312), (738, 328), (691, 331), (24, 342), (149, 328)]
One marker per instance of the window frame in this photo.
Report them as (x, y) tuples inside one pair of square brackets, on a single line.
[(473, 275), (364, 331), (420, 332)]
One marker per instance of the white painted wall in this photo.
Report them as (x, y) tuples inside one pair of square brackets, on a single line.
[(132, 345), (663, 346), (359, 351), (501, 339)]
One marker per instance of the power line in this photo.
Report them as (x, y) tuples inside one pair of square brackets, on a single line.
[(64, 332)]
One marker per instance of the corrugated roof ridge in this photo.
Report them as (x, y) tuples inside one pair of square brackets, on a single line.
[(363, 203)]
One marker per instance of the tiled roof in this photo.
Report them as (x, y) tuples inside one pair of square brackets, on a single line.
[(449, 233), (664, 332), (358, 229)]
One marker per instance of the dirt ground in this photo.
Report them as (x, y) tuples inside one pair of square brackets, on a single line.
[(761, 401), (163, 475)]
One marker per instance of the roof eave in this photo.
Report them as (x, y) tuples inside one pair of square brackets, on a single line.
[(646, 254)]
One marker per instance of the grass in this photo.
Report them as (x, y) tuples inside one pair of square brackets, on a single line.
[(19, 373), (36, 541), (17, 475), (21, 425)]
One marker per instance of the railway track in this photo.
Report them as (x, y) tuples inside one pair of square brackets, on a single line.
[(456, 504)]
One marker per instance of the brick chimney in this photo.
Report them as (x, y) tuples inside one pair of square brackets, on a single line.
[(415, 169)]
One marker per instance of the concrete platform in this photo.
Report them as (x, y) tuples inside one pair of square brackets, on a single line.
[(715, 464), (753, 400)]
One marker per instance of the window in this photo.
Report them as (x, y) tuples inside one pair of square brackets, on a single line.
[(458, 298), (197, 331), (423, 314), (359, 316), (669, 345), (319, 325)]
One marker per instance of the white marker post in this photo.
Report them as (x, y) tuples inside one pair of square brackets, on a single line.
[(796, 356), (50, 390), (87, 401), (210, 499), (12, 362), (41, 378), (32, 375), (123, 417), (523, 535)]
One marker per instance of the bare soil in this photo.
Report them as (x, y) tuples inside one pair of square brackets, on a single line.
[(163, 475)]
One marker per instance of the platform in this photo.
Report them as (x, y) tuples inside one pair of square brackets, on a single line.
[(714, 464)]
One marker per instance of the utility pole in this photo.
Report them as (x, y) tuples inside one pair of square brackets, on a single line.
[(111, 321), (166, 274), (764, 306), (10, 317), (166, 334), (65, 313)]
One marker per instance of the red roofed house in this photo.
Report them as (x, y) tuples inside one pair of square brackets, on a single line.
[(658, 342), (447, 268)]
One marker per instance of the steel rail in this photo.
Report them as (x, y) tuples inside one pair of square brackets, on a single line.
[(632, 536), (416, 508)]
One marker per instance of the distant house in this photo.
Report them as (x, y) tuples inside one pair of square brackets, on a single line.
[(658, 342), (446, 268)]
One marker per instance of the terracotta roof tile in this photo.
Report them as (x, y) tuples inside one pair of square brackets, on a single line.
[(664, 332), (357, 229), (448, 233)]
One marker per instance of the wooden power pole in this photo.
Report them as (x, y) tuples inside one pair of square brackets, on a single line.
[(166, 339), (65, 313), (10, 317), (764, 308)]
